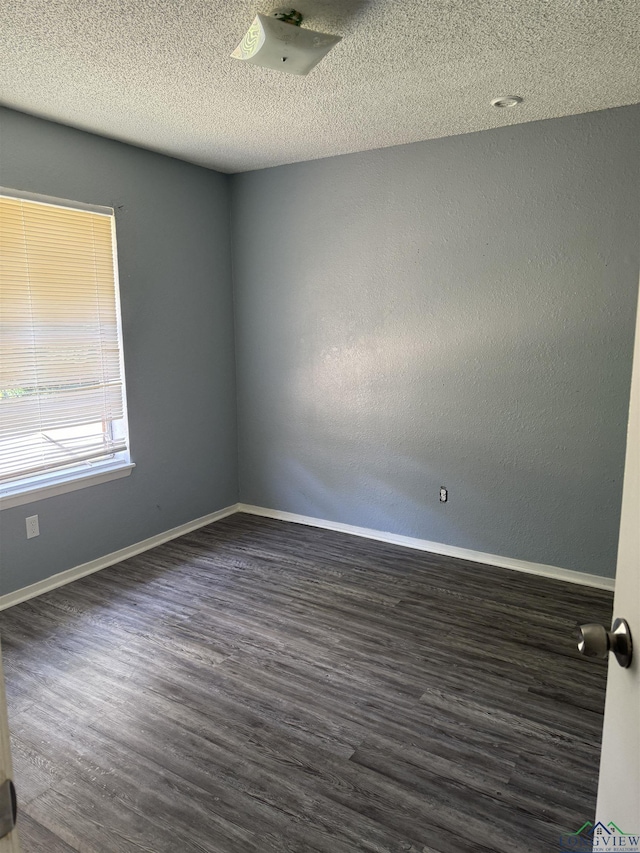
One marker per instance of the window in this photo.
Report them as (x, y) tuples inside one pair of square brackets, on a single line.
[(63, 421)]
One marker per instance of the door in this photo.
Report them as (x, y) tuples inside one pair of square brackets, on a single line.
[(8, 844), (619, 785)]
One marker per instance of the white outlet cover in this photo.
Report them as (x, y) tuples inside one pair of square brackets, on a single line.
[(33, 528)]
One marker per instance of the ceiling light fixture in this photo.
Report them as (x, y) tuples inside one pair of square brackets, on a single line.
[(280, 43), (507, 101)]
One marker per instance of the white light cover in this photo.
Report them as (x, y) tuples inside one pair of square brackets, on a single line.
[(284, 47)]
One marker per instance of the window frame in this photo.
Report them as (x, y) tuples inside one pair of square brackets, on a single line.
[(57, 481)]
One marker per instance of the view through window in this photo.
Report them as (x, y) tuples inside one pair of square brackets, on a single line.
[(62, 393)]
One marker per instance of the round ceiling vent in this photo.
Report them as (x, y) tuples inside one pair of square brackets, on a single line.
[(507, 101)]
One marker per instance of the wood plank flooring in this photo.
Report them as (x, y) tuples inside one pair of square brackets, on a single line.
[(264, 686)]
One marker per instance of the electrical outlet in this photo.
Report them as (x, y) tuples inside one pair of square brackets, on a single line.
[(444, 494), (33, 528)]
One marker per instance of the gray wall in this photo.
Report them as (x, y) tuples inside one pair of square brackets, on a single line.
[(172, 223), (455, 312)]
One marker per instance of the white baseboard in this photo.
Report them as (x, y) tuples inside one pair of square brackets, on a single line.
[(540, 569), (62, 578)]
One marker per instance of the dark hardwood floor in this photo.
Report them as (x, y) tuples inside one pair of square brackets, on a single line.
[(264, 686)]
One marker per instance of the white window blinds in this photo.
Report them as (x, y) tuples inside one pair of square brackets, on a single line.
[(61, 377)]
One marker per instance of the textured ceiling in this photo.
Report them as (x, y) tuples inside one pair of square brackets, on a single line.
[(157, 73)]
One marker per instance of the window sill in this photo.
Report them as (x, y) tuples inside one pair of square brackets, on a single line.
[(67, 482)]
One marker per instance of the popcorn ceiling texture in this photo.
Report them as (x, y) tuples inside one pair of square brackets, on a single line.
[(157, 73)]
